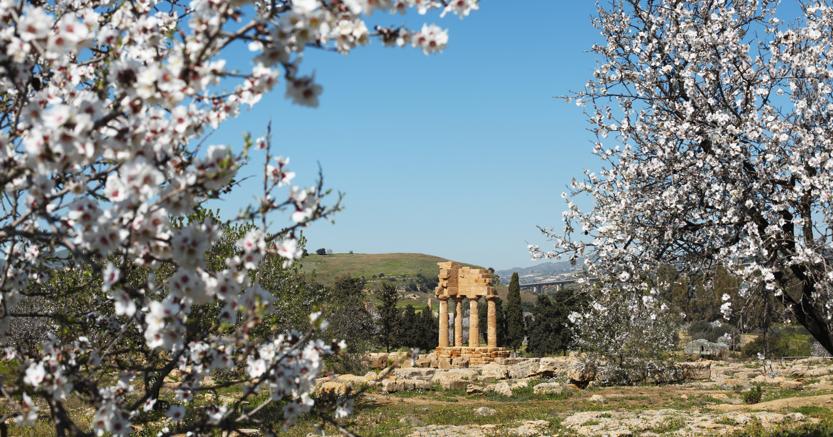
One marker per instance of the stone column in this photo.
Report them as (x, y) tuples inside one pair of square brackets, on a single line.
[(474, 324), (443, 322), (491, 321), (458, 321)]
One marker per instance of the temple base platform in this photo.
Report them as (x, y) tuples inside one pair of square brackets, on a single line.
[(464, 356)]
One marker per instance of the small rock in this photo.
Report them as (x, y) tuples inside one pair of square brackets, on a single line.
[(548, 388), (530, 428), (494, 371), (598, 398), (424, 374), (392, 385), (524, 369), (474, 389), (501, 388), (485, 411)]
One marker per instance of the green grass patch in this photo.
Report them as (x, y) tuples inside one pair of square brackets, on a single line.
[(669, 425), (328, 268), (756, 429), (814, 411)]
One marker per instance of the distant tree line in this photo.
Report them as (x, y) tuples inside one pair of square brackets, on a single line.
[(546, 326), (403, 328)]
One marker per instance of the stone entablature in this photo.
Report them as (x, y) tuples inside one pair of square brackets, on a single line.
[(456, 283)]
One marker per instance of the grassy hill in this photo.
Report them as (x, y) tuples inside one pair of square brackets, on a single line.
[(326, 268), (398, 268)]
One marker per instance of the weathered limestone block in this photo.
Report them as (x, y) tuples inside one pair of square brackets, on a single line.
[(354, 380), (392, 385), (581, 373), (421, 373), (395, 385), (376, 360), (524, 369), (333, 388), (454, 378), (494, 370), (549, 367), (501, 388), (515, 384), (341, 385)]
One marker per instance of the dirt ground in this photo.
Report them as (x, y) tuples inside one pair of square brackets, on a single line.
[(796, 399)]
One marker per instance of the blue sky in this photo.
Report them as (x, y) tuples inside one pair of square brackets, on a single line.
[(459, 154)]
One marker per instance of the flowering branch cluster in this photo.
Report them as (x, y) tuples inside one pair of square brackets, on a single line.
[(712, 121), (105, 108)]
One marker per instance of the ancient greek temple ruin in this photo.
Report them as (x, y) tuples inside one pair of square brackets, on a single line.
[(458, 283)]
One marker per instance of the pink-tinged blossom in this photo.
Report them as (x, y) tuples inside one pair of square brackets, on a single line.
[(431, 39), (34, 24), (28, 411), (290, 249), (35, 374), (712, 121), (107, 171), (303, 91), (460, 7)]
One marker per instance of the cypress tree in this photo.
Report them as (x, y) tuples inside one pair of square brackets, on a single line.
[(514, 314), (549, 332), (388, 315), (409, 328), (428, 330), (501, 323)]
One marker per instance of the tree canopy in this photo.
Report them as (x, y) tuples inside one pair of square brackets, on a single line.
[(713, 122)]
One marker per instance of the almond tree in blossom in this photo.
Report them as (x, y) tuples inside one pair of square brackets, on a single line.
[(104, 149), (713, 121)]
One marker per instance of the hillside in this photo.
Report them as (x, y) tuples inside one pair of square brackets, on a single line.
[(403, 269), (326, 268), (538, 272)]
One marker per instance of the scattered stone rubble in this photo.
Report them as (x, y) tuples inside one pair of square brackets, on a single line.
[(670, 422), (504, 375), (525, 428), (566, 375)]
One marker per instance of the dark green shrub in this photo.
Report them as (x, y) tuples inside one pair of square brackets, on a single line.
[(708, 331), (784, 341), (753, 395)]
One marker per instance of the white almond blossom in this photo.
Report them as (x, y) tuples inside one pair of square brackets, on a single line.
[(713, 123), (106, 176)]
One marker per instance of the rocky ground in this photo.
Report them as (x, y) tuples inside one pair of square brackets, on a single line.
[(531, 397)]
